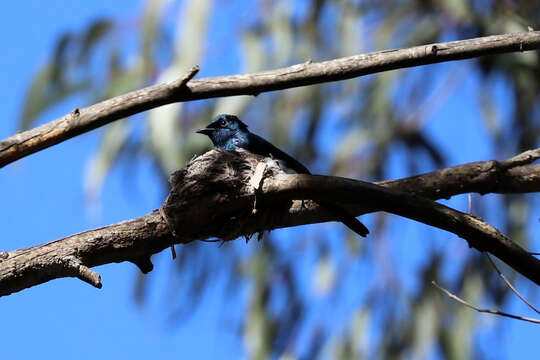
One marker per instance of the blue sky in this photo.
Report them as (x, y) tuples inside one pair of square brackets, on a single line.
[(42, 198), (66, 318)]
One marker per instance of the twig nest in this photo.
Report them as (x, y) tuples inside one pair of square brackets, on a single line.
[(214, 196)]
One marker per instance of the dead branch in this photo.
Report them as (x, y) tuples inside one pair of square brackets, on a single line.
[(489, 311), (510, 286), (86, 119)]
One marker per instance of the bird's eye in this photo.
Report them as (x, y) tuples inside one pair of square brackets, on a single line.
[(223, 123)]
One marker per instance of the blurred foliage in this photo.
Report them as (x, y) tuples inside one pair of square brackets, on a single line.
[(361, 304)]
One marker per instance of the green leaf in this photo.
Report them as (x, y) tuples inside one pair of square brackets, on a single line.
[(93, 35), (459, 9), (45, 91), (461, 336), (425, 329), (60, 58), (325, 276), (164, 122), (116, 134), (114, 139), (150, 33)]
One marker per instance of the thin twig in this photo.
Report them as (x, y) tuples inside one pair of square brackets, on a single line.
[(510, 285), (524, 158), (489, 311)]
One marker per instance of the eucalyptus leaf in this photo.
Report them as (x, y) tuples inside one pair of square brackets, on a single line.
[(93, 35), (114, 138), (44, 92), (164, 122)]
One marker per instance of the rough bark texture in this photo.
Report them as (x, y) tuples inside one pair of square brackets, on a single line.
[(218, 195), (184, 89), (132, 240)]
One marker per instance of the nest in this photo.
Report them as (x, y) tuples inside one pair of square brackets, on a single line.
[(215, 196)]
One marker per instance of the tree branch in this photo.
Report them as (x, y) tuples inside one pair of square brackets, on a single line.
[(215, 196), (510, 286), (72, 256), (513, 175), (86, 119), (83, 120), (489, 311), (478, 234)]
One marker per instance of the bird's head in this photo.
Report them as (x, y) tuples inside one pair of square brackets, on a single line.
[(222, 129)]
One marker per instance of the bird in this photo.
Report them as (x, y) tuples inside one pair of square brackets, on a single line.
[(228, 132)]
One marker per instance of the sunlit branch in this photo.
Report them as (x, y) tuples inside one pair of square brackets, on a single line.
[(86, 119)]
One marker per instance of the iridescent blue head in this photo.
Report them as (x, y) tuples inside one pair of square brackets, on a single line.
[(223, 129)]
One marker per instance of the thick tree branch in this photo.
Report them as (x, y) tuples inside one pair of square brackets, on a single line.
[(214, 196), (513, 175), (309, 73), (86, 119), (74, 255), (505, 177), (478, 234)]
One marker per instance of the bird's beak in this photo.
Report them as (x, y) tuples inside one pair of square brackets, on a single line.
[(204, 131)]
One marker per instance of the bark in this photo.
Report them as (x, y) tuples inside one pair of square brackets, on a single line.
[(86, 119), (226, 195)]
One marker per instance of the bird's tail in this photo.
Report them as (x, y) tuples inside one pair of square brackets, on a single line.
[(343, 215)]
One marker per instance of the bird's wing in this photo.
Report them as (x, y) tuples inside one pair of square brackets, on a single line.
[(257, 145), (260, 146)]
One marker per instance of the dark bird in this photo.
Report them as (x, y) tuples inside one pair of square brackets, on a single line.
[(228, 132)]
